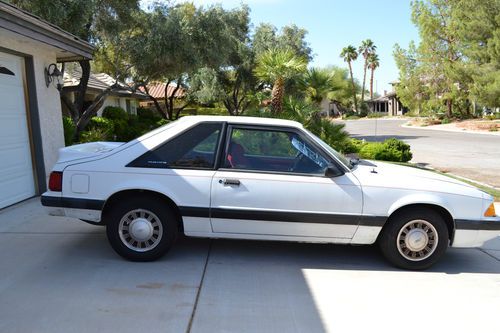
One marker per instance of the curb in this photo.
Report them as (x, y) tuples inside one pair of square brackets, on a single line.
[(433, 128)]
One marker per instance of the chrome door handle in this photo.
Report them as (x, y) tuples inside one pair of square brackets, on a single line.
[(228, 182)]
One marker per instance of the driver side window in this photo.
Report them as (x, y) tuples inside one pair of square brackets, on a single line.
[(273, 151)]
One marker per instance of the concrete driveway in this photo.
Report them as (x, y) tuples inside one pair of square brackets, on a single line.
[(60, 275), (470, 155)]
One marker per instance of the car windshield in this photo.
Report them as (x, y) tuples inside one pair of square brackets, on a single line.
[(340, 157)]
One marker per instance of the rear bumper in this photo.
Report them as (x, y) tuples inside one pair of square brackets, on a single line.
[(64, 202), (83, 209), (475, 233)]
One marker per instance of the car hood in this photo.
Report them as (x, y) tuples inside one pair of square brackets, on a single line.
[(389, 175)]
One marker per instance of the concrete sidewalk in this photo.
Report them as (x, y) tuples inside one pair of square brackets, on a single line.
[(60, 275)]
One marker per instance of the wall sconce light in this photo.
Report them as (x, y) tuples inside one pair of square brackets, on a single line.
[(53, 74)]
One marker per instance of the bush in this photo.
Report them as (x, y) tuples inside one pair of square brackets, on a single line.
[(445, 120), (162, 122), (215, 111), (93, 135), (105, 125), (69, 131), (376, 114), (114, 113), (393, 150), (351, 145), (145, 113)]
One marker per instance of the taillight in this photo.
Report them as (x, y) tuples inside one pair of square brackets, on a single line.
[(55, 181)]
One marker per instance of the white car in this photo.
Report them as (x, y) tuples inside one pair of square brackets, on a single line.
[(265, 179)]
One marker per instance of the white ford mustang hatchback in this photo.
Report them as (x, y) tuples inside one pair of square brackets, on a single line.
[(266, 179)]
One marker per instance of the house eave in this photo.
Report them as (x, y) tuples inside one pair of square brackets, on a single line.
[(69, 47)]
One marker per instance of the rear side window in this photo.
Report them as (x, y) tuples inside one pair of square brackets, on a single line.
[(194, 149)]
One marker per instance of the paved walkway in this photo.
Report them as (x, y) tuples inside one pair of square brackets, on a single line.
[(470, 155), (60, 275)]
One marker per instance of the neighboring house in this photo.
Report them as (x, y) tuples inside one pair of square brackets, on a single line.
[(157, 91), (330, 108), (389, 103), (31, 130), (120, 96)]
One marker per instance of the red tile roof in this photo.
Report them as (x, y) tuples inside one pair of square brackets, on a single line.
[(157, 90)]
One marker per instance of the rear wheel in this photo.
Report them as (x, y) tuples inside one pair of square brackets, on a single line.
[(414, 239), (142, 229)]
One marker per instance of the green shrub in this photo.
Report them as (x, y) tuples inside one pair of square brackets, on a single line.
[(376, 114), (162, 122), (69, 131), (445, 120), (393, 150), (215, 111), (93, 135), (101, 128), (146, 113), (351, 145), (493, 116), (114, 113)]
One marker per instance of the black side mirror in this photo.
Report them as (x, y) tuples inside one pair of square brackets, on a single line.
[(332, 171)]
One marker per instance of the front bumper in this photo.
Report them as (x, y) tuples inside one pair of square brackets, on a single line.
[(475, 233)]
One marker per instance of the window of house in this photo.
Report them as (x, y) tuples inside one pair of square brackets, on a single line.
[(194, 149), (273, 150)]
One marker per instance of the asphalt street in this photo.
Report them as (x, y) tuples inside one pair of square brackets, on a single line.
[(470, 155), (60, 275)]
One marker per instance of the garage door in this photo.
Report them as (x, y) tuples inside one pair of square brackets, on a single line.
[(16, 167)]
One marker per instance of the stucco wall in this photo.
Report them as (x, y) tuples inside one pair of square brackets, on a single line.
[(49, 105)]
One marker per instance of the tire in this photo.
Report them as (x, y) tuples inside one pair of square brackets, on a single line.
[(414, 239), (141, 229)]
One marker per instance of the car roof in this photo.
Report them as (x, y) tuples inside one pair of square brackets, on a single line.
[(243, 120)]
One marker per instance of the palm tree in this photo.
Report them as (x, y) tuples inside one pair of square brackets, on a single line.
[(278, 66), (318, 82), (373, 63), (367, 47), (349, 54)]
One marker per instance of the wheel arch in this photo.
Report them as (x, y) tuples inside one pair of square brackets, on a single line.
[(131, 193), (440, 209)]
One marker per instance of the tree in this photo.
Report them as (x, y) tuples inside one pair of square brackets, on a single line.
[(457, 61), (373, 63), (349, 55), (318, 83), (266, 37), (342, 92), (479, 36), (366, 49), (278, 66), (175, 42), (99, 22)]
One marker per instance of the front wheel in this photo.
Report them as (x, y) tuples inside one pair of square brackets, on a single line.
[(414, 239), (142, 229)]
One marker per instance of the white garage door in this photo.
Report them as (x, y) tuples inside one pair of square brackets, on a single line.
[(16, 168)]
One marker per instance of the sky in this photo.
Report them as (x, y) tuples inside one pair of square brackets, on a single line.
[(334, 24)]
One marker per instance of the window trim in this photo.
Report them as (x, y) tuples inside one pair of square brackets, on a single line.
[(217, 150), (302, 134)]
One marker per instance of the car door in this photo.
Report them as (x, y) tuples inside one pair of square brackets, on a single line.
[(272, 182)]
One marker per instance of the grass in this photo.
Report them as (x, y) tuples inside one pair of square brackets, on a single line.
[(490, 190)]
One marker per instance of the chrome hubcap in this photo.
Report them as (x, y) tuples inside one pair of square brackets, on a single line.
[(417, 240), (140, 230)]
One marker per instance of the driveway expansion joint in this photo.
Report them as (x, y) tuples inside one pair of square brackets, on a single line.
[(191, 319), (489, 254)]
